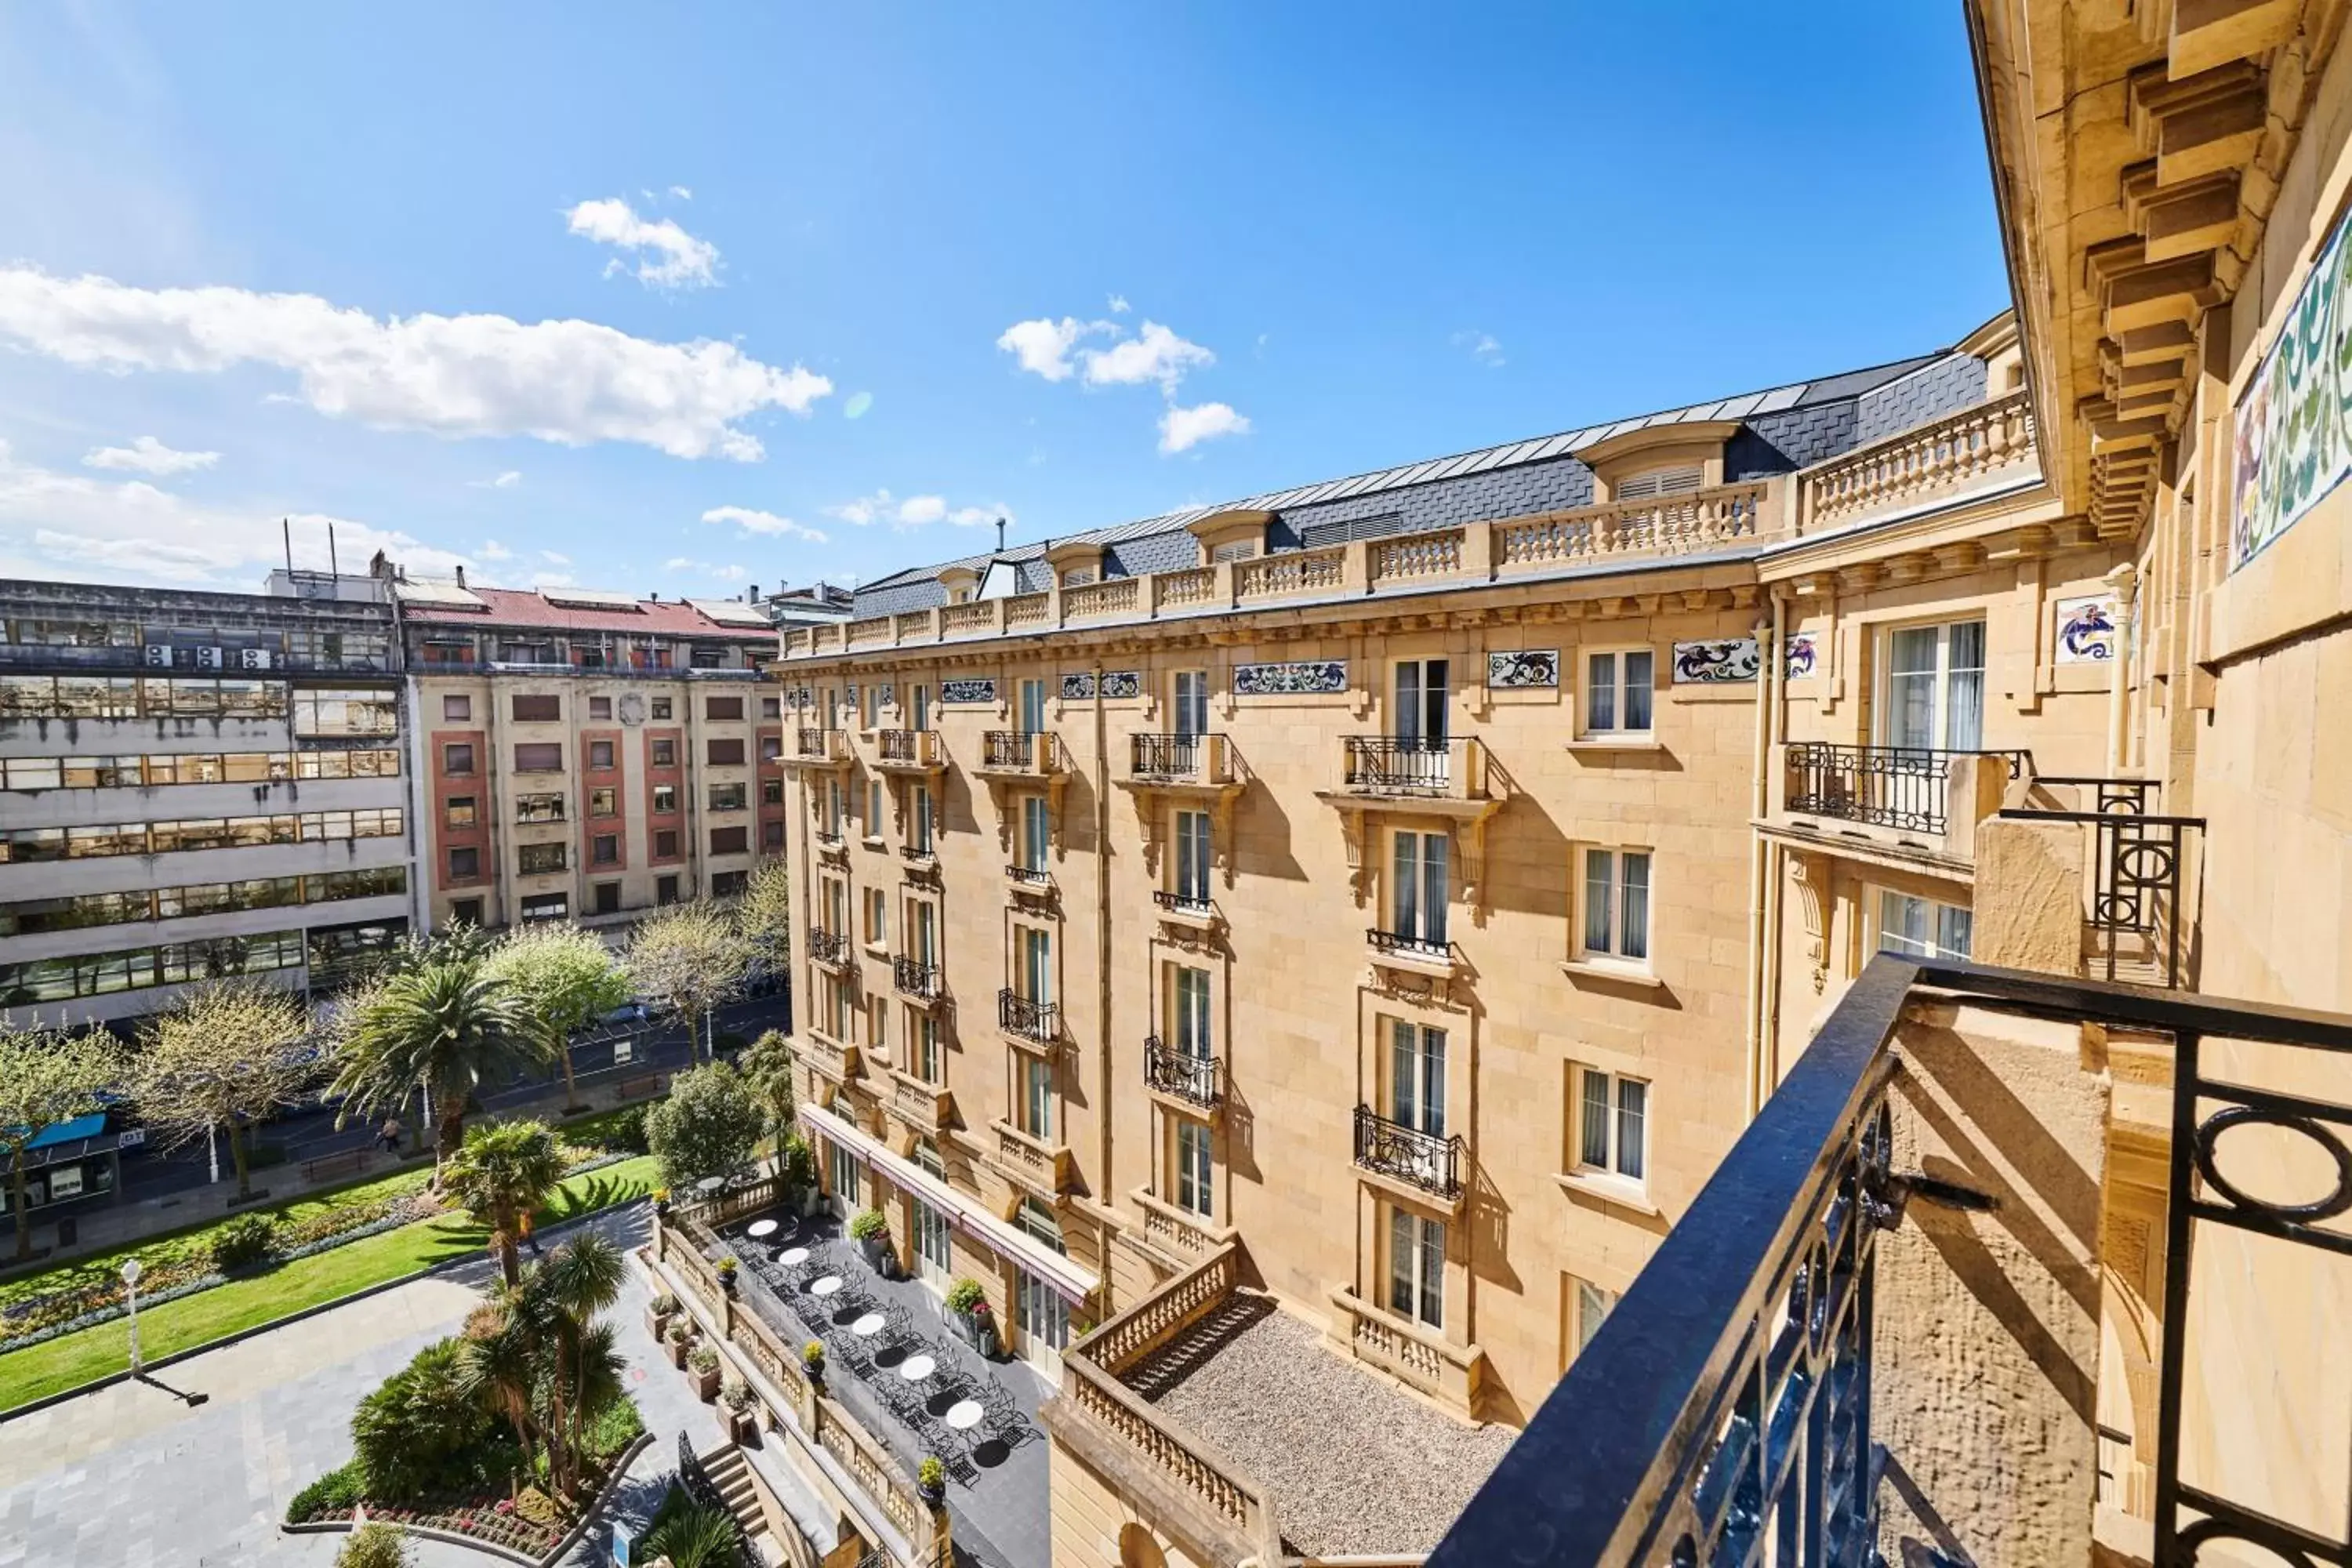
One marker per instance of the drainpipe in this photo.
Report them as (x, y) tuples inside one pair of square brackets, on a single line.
[(1102, 935), (1757, 858), (2125, 580)]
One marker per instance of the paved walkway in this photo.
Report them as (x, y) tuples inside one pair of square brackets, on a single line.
[(132, 1476)]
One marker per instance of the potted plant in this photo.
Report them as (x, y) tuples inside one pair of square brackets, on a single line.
[(726, 1268), (703, 1363), (871, 1231), (968, 1315), (659, 1313), (802, 1192), (661, 1200), (813, 1360), (932, 1478), (742, 1412), (681, 1338)]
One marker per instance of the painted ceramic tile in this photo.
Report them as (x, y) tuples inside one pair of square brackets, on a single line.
[(1306, 675), (1117, 683), (1525, 667), (2086, 629), (2293, 445), (1715, 661), (1802, 649), (974, 689)]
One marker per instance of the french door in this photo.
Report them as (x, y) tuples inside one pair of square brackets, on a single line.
[(1191, 716)]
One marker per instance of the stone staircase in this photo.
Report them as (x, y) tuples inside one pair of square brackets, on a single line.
[(731, 1474)]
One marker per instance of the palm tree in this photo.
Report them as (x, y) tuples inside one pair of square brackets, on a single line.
[(447, 1027), (501, 1175), (767, 1066), (538, 1356), (695, 1536), (498, 1366)]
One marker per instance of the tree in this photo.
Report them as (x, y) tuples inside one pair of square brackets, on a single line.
[(708, 1127), (561, 979), (767, 1069), (691, 959), (763, 912), (501, 1175), (46, 1077), (447, 1028), (225, 1054), (538, 1356)]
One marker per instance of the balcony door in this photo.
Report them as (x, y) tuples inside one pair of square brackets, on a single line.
[(934, 1261), (1934, 690), (1036, 831), (1044, 1322), (1187, 1001), (1417, 1076), (1190, 715), (1193, 857), (1035, 975), (927, 931), (918, 708), (1033, 707), (1422, 688), (1418, 887)]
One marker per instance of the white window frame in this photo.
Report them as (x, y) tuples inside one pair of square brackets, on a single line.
[(1413, 1258), (1414, 1067), (1191, 1149), (842, 1169), (1622, 905), (1941, 680), (1589, 1306), (1036, 832), (873, 808), (877, 917), (1188, 702), (934, 1252), (1043, 1318), (1934, 909), (1410, 890), (1612, 1110), (1195, 854), (1612, 721)]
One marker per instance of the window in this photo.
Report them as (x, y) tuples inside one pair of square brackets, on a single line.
[(1233, 550), (869, 704), (772, 792), (932, 1259), (731, 841), (1618, 691), (604, 849), (729, 796), (540, 860), (921, 840), (772, 707), (772, 833), (660, 708), (1421, 691), (664, 800), (465, 911), (728, 884), (924, 1030), (1192, 1167), (539, 757), (600, 755), (1037, 1218), (1680, 480), (722, 708), (724, 753), (1188, 1007), (605, 802), (1036, 832), (1417, 1076), (1922, 926), (1611, 1123), (458, 760), (608, 898), (539, 808), (465, 863), (878, 1027), (1416, 1268), (1589, 1307), (538, 710), (1037, 1096), (1616, 905), (878, 905), (1935, 686), (1190, 710), (1035, 978), (664, 752), (666, 844), (547, 906), (1033, 707), (918, 708), (458, 811), (321, 713), (836, 809), (841, 1171), (1418, 889), (1193, 858), (600, 707), (454, 707), (925, 920), (666, 889), (1044, 1318), (873, 808)]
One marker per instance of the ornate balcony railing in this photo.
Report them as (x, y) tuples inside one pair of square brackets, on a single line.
[(1181, 1073), (913, 977), (1030, 876), (1428, 1161), (1032, 1020), (1175, 901), (1010, 749), (1901, 787), (829, 947), (1165, 756), (812, 744), (1399, 765), (2138, 862), (1938, 458), (1392, 942), (908, 747)]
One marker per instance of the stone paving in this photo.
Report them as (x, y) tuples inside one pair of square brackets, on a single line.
[(132, 1476)]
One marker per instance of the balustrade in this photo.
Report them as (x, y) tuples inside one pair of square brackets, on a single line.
[(1437, 554), (1918, 465)]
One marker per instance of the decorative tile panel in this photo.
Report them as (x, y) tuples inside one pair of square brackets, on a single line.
[(973, 689), (1716, 662), (2294, 436), (1525, 668), (1802, 650), (1303, 677), (2086, 629), (1116, 684)]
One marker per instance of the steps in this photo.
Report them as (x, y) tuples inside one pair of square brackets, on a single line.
[(732, 1476)]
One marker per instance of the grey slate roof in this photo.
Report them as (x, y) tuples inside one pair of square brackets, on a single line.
[(1787, 428)]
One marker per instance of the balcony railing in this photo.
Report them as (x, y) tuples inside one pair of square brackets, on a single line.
[(1734, 1402), (829, 947), (1391, 944), (1165, 756), (2139, 861), (1399, 765), (913, 977), (1937, 459), (811, 744), (1028, 875), (1177, 902), (1180, 1073), (1407, 1155), (1019, 750), (1902, 787), (906, 748), (1032, 1020)]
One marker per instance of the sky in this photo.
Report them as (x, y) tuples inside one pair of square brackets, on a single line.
[(691, 299)]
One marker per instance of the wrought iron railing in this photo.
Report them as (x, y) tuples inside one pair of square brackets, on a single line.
[(1401, 764), (1165, 756), (2138, 862), (1030, 1019), (696, 1479), (1178, 901), (913, 977), (1035, 876), (1723, 1413), (1902, 787), (1427, 1161), (899, 745), (1397, 942), (812, 742), (1182, 1073), (1025, 750), (829, 947)]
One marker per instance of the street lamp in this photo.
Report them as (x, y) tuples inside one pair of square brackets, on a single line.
[(131, 1284)]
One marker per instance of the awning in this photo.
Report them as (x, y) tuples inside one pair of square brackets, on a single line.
[(1038, 1260)]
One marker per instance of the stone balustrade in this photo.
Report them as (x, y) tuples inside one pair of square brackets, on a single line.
[(1936, 459)]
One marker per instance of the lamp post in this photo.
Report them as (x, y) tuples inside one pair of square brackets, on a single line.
[(130, 1285)]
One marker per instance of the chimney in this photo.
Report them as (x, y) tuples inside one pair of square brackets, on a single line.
[(461, 576), (751, 594), (999, 536)]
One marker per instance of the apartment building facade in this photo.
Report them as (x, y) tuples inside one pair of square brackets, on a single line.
[(587, 756), (194, 785)]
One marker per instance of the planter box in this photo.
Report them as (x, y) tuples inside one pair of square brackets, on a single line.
[(978, 1333), (706, 1385), (657, 1325), (678, 1355), (879, 1258)]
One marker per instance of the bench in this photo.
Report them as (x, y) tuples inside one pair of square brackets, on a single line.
[(327, 1167), (639, 1088)]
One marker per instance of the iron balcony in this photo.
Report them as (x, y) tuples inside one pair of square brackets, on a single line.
[(1180, 1073), (1425, 1159), (1030, 1020)]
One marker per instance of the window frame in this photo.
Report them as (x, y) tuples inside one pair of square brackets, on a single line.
[(1613, 1120), (1406, 1256), (1192, 1167), (1620, 898), (1883, 681), (1619, 687), (1934, 908)]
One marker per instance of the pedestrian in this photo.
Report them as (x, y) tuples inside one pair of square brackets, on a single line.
[(529, 1237), (387, 1137)]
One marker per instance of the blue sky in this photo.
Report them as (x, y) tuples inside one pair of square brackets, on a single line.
[(675, 301)]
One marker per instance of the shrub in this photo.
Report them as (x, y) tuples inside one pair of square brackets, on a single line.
[(813, 1354), (331, 1495), (693, 1536), (702, 1358), (374, 1546), (682, 1331), (666, 1305), (616, 1426), (736, 1394), (421, 1433), (800, 1164), (965, 1294), (871, 1224), (708, 1127), (931, 1473), (728, 1043), (244, 1243)]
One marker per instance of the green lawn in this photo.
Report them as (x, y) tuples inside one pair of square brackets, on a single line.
[(209, 1315)]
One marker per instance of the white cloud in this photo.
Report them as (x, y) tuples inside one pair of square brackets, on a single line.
[(1118, 306), (1180, 429), (1153, 355), (505, 482), (553, 580), (679, 564), (569, 382), (667, 256), (1482, 346), (681, 192), (1043, 345), (148, 456), (492, 550), (132, 531), (554, 558), (749, 520), (915, 512)]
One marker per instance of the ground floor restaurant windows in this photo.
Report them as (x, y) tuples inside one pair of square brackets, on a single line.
[(841, 1172)]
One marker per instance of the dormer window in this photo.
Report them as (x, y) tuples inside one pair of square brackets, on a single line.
[(1233, 550), (1679, 480), (1078, 576)]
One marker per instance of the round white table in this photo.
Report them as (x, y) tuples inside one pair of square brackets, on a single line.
[(915, 1368), (792, 1256), (760, 1229), (871, 1324), (964, 1415), (710, 1186), (826, 1286)]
